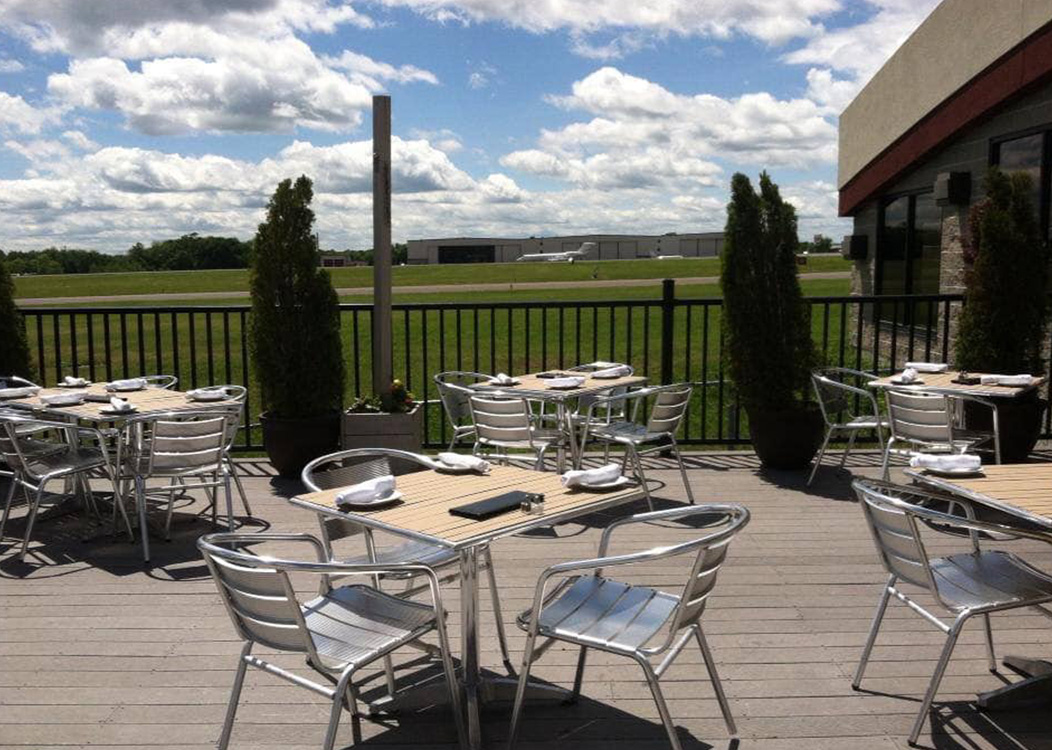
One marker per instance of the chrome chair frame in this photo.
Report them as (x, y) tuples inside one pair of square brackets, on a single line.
[(262, 617), (506, 423), (455, 401), (142, 454), (662, 422), (925, 421), (163, 382), (637, 626), (441, 559), (34, 467), (892, 513), (823, 381)]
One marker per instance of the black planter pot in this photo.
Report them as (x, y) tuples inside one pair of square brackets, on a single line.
[(293, 442), (1018, 422), (786, 439)]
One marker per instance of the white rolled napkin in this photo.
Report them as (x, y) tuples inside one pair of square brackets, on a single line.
[(602, 475), (462, 461), (617, 371), (1016, 380), (927, 366), (29, 390), (946, 461), (363, 492), (64, 399), (908, 375), (207, 394), (126, 385), (574, 382), (120, 404), (502, 378), (74, 382)]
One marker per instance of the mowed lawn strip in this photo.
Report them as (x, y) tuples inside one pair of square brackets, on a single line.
[(236, 280)]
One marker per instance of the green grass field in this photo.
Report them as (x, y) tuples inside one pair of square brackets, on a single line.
[(169, 282), (206, 346)]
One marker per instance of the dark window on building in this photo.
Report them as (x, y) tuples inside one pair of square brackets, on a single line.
[(908, 251), (466, 253), (1031, 154)]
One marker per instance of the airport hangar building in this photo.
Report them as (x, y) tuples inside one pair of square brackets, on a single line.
[(609, 247)]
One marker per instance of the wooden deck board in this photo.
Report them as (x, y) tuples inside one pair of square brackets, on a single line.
[(96, 651)]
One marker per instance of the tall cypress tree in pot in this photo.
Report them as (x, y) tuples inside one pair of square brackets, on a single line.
[(767, 330), (295, 334), (14, 349), (1004, 323)]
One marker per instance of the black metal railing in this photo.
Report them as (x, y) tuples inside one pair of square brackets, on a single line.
[(666, 339)]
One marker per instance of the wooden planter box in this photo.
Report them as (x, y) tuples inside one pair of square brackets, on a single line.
[(378, 430)]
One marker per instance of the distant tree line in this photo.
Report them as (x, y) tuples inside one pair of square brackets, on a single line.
[(191, 252)]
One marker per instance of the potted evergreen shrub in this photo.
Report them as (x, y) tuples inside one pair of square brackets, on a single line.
[(295, 334), (1003, 325), (390, 419), (14, 349), (767, 331)]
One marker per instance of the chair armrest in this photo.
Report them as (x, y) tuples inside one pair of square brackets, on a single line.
[(725, 512)]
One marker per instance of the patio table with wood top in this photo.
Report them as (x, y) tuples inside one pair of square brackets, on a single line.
[(534, 388), (423, 514), (943, 382), (146, 401), (1024, 492)]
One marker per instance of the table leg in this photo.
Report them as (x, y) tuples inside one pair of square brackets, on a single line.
[(469, 656), (1035, 689)]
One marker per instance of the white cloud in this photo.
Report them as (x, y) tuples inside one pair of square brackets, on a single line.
[(857, 52), (443, 139), (370, 72), (87, 28), (8, 65), (18, 115), (772, 21), (38, 150), (643, 135), (80, 140), (256, 86)]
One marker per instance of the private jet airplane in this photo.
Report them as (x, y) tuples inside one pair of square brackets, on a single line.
[(568, 256)]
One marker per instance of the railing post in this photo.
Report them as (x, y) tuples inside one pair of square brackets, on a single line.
[(668, 327)]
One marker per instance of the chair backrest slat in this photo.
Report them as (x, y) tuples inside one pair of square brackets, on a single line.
[(455, 394), (668, 410), (897, 537), (501, 420), (261, 604), (919, 417)]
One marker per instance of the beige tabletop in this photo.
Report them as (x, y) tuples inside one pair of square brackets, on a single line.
[(942, 382), (147, 401), (1023, 490), (531, 386), (427, 496)]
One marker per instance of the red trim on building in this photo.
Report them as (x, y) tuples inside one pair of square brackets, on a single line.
[(1028, 64)]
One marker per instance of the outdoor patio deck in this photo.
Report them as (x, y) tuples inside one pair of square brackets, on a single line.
[(95, 650)]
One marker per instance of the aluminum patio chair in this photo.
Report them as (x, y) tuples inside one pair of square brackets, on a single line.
[(164, 382), (34, 463), (670, 403), (356, 465), (589, 610), (925, 422), (963, 585), (341, 631), (455, 394), (847, 408), (176, 446), (503, 424)]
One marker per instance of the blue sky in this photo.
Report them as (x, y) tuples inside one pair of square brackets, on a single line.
[(124, 122)]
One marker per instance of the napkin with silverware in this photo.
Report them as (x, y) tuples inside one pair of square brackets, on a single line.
[(584, 477), (927, 367), (367, 491), (462, 461), (1014, 380)]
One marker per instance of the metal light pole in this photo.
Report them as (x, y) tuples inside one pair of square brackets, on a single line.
[(382, 335)]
